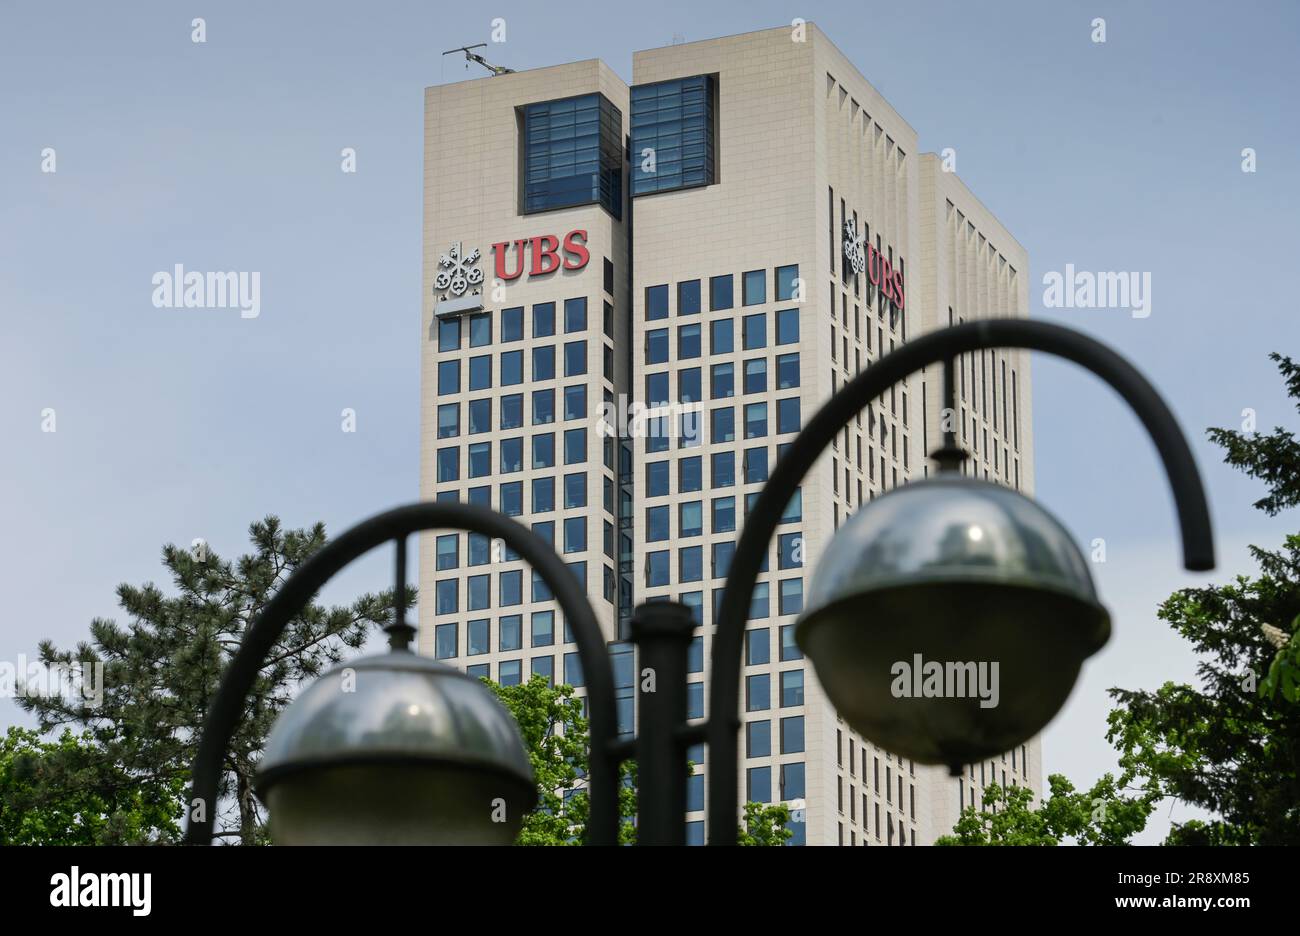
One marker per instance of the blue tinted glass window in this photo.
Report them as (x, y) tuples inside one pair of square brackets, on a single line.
[(449, 464), (449, 334), (480, 330), (656, 479), (476, 592), (478, 637), (721, 292), (480, 459), (575, 314), (656, 389), (575, 446), (723, 425), (723, 382), (688, 297), (787, 371), (787, 278), (543, 407), (656, 302), (756, 375), (656, 346), (543, 319), (755, 331), (512, 324), (690, 519), (575, 358), (543, 495), (444, 640), (543, 364), (754, 287), (792, 735), (575, 402), (656, 524), (448, 420), (511, 588), (787, 326), (480, 416), (575, 490), (575, 534), (657, 568), (480, 372), (512, 369), (544, 450), (688, 385), (722, 469), (449, 376), (724, 514), (512, 455), (787, 415), (755, 465), (510, 632), (573, 154), (512, 411), (688, 341), (673, 134), (755, 420), (722, 336), (509, 673), (689, 471)]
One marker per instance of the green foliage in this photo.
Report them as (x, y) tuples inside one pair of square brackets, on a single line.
[(1232, 744), (1007, 816), (764, 825), (161, 670), (557, 735), (64, 793)]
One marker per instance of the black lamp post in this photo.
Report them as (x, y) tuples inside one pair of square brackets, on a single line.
[(949, 567)]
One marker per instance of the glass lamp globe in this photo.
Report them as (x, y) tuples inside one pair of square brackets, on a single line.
[(395, 749), (949, 618)]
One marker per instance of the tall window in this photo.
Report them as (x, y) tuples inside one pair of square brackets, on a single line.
[(573, 154), (673, 134)]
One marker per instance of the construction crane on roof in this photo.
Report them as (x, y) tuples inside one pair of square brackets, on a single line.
[(472, 56)]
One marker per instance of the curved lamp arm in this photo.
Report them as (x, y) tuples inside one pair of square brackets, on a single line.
[(932, 348), (398, 524)]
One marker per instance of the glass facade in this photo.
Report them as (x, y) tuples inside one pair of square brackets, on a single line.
[(573, 154), (673, 134)]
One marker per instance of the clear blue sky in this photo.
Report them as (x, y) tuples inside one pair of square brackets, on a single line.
[(175, 424)]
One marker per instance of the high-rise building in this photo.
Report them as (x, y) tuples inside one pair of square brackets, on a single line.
[(634, 297)]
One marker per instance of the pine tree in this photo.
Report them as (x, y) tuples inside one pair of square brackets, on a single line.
[(1231, 745), (162, 668)]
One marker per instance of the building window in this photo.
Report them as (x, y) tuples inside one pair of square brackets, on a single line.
[(688, 297), (792, 735), (512, 324), (791, 688), (758, 739), (787, 281), (792, 781), (573, 154), (478, 637), (721, 293), (510, 632), (444, 640), (673, 134)]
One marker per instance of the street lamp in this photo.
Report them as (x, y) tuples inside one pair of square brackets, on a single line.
[(948, 571)]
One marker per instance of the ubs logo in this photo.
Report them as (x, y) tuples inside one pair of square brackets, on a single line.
[(545, 252)]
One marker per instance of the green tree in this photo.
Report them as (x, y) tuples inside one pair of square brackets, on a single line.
[(64, 792), (1231, 745), (557, 735), (1103, 815), (162, 668)]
